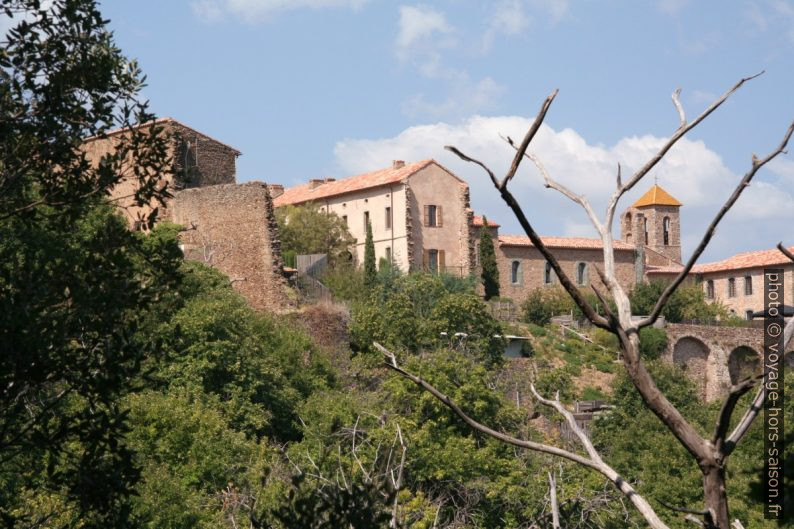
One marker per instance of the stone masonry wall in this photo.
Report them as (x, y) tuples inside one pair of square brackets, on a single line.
[(232, 228), (200, 160), (533, 266)]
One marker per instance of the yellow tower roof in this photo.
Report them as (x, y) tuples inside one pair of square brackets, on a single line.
[(656, 196)]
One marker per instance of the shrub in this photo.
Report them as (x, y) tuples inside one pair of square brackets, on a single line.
[(543, 303), (653, 342)]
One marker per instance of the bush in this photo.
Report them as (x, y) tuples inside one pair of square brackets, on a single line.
[(653, 342), (543, 303), (688, 302)]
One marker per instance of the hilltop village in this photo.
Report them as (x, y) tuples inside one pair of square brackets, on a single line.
[(421, 219)]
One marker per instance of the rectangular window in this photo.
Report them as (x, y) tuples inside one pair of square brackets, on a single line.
[(710, 289), (432, 260), (431, 216), (748, 285), (732, 287), (388, 218), (388, 254), (366, 220), (344, 218)]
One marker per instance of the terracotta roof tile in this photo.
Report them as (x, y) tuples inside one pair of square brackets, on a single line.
[(476, 221), (579, 243), (656, 196), (650, 269), (390, 175), (745, 260)]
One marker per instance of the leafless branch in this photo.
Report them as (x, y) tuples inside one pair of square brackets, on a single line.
[(724, 418), (555, 509), (678, 107), (594, 460), (744, 183)]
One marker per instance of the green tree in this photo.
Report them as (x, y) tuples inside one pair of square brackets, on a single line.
[(370, 270), (490, 271), (688, 302), (306, 229), (75, 284)]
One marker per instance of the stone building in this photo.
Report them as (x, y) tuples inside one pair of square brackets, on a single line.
[(653, 225), (198, 161), (227, 225), (738, 281), (419, 213)]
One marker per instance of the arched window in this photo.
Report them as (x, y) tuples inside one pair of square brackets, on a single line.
[(710, 289), (666, 230), (627, 227), (548, 274), (645, 228), (581, 273), (732, 287), (516, 273)]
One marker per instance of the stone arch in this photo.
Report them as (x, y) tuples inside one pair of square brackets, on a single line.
[(627, 218), (692, 355), (743, 362)]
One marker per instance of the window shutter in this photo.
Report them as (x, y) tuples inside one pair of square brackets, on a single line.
[(426, 259), (426, 217), (441, 261), (439, 217)]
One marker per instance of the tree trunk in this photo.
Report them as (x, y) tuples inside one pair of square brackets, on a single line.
[(715, 496)]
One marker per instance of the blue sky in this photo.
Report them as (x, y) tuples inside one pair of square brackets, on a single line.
[(312, 88)]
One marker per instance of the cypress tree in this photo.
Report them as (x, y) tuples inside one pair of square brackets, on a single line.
[(370, 271), (490, 272)]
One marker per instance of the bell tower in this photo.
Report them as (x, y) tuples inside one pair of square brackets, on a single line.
[(653, 223)]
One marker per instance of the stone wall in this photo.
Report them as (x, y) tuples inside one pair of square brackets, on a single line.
[(740, 302), (197, 160), (232, 228), (533, 266), (200, 160), (709, 353)]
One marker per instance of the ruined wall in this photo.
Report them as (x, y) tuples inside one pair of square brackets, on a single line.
[(533, 267), (197, 160), (232, 228), (200, 160)]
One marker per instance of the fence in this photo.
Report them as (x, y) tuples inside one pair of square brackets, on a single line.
[(584, 412)]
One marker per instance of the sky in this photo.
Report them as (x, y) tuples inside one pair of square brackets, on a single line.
[(331, 88)]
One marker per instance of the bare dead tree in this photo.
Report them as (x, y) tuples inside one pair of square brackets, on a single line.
[(710, 453), (555, 508), (592, 460)]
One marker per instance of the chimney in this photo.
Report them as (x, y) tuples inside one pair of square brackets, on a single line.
[(315, 182), (276, 190), (398, 164)]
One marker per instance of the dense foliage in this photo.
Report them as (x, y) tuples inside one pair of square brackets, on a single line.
[(688, 303), (306, 229), (420, 312), (370, 270)]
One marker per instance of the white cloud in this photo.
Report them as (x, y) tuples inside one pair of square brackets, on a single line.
[(256, 10), (691, 172), (418, 27), (466, 98), (507, 20)]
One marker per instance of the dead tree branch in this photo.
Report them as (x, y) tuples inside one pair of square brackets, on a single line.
[(594, 460)]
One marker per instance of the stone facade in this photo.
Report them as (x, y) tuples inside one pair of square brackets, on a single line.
[(399, 202), (531, 272), (232, 228), (746, 295), (197, 160)]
